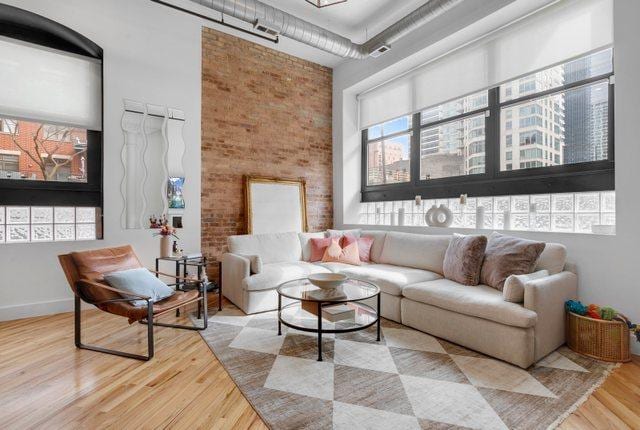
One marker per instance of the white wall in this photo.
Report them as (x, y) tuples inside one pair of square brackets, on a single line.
[(607, 265), (151, 54)]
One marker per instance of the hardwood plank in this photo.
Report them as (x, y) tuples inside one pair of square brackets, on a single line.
[(45, 382)]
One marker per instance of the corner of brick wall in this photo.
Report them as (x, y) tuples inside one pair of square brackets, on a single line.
[(263, 113)]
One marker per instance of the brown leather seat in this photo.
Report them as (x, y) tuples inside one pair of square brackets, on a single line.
[(85, 272)]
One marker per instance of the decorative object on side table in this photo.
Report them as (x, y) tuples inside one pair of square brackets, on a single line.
[(166, 232), (600, 333)]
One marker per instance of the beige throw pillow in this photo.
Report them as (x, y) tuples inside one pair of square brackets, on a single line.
[(513, 290), (508, 255), (463, 258)]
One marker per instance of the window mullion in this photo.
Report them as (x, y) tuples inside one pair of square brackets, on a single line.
[(415, 150), (492, 134)]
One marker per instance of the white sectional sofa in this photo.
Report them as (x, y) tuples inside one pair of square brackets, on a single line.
[(408, 269)]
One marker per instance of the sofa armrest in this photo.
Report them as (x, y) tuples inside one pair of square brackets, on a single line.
[(235, 268), (546, 296)]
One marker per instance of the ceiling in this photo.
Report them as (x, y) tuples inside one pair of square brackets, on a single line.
[(357, 20)]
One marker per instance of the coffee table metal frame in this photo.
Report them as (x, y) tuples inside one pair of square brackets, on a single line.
[(320, 330)]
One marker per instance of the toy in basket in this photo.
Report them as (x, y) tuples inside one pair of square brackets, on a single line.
[(599, 332)]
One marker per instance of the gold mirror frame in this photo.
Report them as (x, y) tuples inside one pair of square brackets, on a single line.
[(250, 180)]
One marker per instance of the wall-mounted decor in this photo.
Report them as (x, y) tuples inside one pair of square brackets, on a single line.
[(152, 155), (275, 205)]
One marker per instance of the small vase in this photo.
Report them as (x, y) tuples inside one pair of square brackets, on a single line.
[(165, 246)]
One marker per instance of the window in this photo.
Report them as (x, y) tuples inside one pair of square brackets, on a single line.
[(49, 153), (8, 126), (388, 153), (9, 165), (576, 112), (50, 132), (552, 125), (453, 148)]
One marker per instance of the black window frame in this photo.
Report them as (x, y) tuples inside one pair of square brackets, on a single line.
[(568, 178), (16, 23)]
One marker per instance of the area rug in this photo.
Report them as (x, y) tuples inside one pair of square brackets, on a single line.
[(408, 380)]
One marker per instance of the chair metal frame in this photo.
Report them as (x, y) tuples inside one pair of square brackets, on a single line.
[(149, 322)]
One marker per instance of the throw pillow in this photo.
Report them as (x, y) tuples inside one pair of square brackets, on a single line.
[(463, 258), (364, 245), (514, 285), (305, 242), (507, 255), (336, 254), (139, 281), (318, 246)]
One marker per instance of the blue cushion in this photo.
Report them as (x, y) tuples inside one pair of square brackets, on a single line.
[(139, 281)]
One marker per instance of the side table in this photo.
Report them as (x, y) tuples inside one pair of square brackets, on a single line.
[(200, 262)]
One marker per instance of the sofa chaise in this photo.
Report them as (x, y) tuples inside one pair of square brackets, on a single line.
[(408, 268)]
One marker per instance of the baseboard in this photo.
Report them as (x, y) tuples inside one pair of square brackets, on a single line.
[(8, 313)]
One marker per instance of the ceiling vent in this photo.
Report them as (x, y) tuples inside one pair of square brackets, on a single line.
[(263, 28), (379, 51)]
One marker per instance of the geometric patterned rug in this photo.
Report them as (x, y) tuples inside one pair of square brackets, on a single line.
[(408, 380)]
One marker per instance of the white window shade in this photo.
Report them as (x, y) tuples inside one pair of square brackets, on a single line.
[(50, 86), (557, 33)]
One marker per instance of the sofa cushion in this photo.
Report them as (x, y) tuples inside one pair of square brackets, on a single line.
[(271, 247), (480, 301), (305, 243), (463, 259), (390, 279), (274, 274), (378, 243), (335, 267), (508, 255), (421, 251), (339, 233), (553, 258)]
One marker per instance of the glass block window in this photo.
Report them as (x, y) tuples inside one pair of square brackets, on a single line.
[(23, 224), (593, 212)]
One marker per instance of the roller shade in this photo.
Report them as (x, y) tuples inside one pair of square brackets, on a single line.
[(557, 33), (49, 86)]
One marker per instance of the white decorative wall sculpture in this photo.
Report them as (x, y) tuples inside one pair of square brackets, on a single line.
[(152, 154)]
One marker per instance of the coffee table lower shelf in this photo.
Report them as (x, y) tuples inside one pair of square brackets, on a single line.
[(293, 316)]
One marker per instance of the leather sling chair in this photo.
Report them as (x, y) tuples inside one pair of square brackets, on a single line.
[(85, 274)]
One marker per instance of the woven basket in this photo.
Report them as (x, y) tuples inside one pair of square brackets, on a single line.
[(600, 339)]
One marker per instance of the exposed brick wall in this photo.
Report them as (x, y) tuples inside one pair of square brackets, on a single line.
[(263, 113)]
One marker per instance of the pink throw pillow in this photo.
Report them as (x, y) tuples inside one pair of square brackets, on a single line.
[(318, 246), (364, 245), (335, 254)]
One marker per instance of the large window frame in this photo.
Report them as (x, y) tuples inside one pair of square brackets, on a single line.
[(577, 177), (29, 27)]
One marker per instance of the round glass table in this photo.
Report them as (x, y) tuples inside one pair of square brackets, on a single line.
[(306, 302)]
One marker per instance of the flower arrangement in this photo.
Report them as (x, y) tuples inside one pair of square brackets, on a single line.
[(166, 231)]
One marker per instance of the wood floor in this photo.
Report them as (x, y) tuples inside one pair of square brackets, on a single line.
[(45, 382)]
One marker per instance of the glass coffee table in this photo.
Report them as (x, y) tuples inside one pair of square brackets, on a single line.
[(304, 313)]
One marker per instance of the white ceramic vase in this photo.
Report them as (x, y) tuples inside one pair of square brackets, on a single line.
[(439, 216)]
